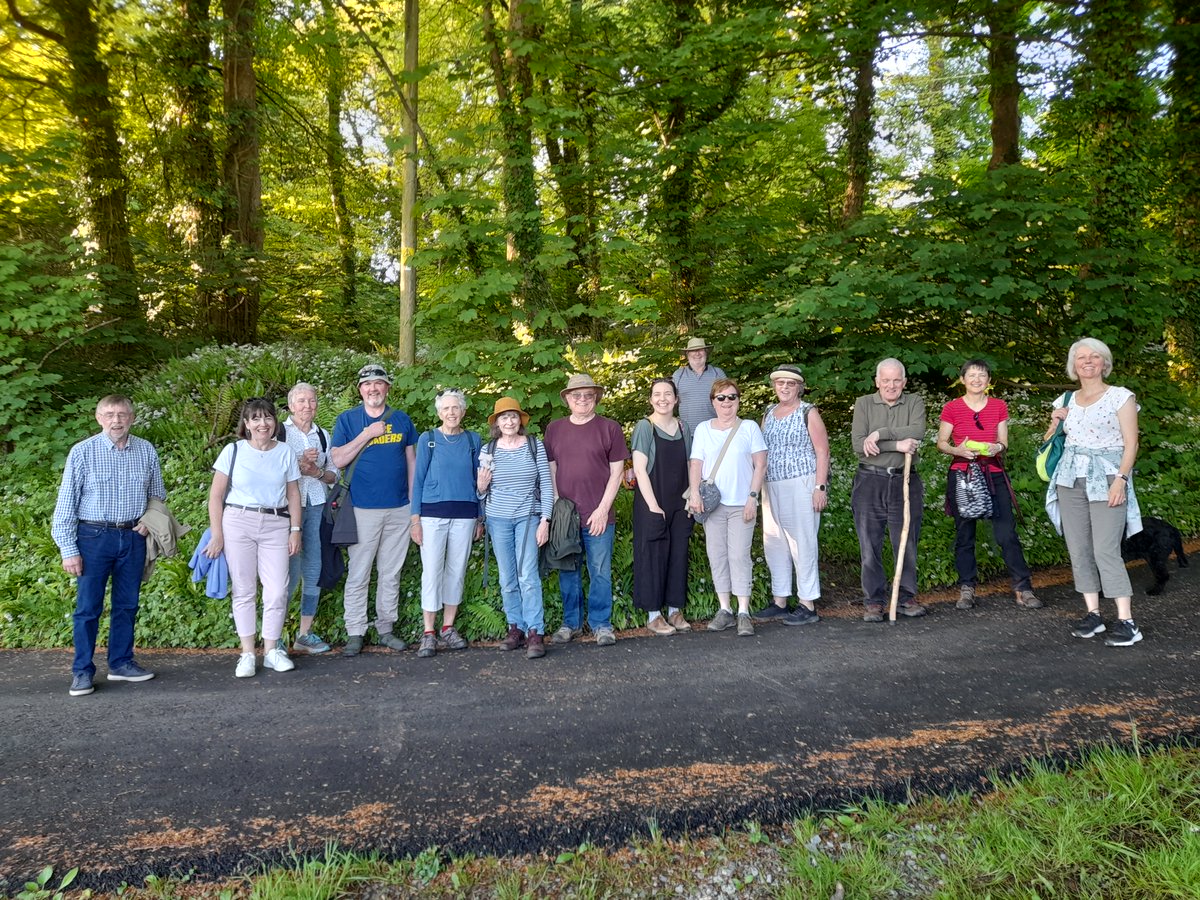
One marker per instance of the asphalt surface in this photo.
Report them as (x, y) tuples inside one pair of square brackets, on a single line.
[(484, 751)]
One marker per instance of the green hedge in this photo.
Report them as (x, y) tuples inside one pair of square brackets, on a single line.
[(187, 409)]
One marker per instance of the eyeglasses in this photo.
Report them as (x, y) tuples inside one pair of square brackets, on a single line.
[(978, 424), (582, 396), (721, 398)]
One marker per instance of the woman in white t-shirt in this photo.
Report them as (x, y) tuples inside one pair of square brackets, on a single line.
[(254, 513), (1090, 496), (729, 528)]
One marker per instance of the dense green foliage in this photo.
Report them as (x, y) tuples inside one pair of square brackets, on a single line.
[(188, 410)]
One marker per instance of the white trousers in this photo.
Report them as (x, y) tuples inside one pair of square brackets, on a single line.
[(790, 528), (445, 548)]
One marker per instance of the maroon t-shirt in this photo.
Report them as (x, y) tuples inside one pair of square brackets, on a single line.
[(962, 417), (582, 454)]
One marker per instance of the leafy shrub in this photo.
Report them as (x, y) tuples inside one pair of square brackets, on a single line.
[(187, 409)]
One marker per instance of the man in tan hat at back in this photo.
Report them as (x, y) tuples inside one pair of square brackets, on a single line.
[(587, 455), (694, 382)]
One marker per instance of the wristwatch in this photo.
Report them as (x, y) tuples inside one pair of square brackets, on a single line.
[(754, 494), (822, 488), (295, 529)]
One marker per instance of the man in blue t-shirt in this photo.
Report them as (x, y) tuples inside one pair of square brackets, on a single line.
[(375, 446)]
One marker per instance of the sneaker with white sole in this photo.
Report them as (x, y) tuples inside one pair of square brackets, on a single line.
[(966, 597), (605, 637), (246, 666), (276, 658), (1089, 626), (565, 635), (310, 643), (1124, 633), (131, 671), (81, 685)]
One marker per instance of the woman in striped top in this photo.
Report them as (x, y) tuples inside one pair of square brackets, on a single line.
[(514, 482)]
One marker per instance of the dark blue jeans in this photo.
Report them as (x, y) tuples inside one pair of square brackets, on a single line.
[(109, 554), (597, 552)]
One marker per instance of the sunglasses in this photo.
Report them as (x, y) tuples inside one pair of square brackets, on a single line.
[(978, 424), (721, 398)]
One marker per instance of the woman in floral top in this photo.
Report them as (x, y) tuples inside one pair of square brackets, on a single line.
[(1090, 498)]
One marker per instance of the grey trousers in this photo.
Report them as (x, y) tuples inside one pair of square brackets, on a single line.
[(1093, 531)]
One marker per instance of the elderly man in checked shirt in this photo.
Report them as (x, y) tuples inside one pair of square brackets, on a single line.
[(106, 482)]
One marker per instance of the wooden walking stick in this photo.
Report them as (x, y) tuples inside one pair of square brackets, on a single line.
[(903, 543)]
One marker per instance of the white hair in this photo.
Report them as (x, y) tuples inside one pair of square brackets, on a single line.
[(888, 363), (448, 396), (1091, 344), (300, 387)]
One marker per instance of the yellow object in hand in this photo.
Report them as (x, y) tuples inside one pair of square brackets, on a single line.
[(977, 446)]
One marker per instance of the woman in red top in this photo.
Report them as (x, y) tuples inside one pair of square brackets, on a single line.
[(975, 428)]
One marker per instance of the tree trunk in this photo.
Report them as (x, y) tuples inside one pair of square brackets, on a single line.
[(861, 127), (408, 222), (237, 315), (193, 157), (1184, 89), (105, 186), (335, 162), (514, 87), (1004, 86)]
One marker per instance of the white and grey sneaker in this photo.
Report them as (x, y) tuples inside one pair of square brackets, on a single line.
[(1124, 633), (276, 658), (246, 666)]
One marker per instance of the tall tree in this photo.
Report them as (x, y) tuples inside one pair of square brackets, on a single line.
[(191, 156), (862, 42), (1184, 90), (1004, 18), (335, 156), (104, 183), (509, 49), (235, 319)]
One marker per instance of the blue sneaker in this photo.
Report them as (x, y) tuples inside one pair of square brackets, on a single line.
[(129, 672), (310, 643), (81, 684)]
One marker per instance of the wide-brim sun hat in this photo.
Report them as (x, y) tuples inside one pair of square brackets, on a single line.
[(695, 344), (789, 372), (578, 382), (373, 372), (508, 404)]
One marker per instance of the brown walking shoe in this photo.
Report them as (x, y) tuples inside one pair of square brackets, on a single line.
[(514, 640), (679, 623), (535, 647), (660, 626), (1027, 600)]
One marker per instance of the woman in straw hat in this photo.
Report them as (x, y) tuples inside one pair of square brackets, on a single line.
[(514, 480)]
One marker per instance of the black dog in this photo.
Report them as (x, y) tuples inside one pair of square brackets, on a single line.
[(1155, 543)]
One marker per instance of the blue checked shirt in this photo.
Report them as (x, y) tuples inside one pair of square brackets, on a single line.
[(103, 484), (313, 491)]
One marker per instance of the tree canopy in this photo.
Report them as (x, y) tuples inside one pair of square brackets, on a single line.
[(827, 183)]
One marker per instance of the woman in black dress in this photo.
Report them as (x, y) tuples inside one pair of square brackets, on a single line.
[(662, 527)]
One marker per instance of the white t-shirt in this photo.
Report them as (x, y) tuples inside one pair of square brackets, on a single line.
[(737, 468), (261, 476), (1096, 427)]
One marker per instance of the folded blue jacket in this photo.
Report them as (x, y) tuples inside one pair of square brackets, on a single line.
[(216, 571)]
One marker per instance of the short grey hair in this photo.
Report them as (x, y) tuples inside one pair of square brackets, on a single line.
[(888, 363), (300, 387), (1091, 344), (450, 395)]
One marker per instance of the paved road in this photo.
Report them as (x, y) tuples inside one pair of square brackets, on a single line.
[(489, 752)]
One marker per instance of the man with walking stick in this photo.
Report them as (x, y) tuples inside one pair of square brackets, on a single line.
[(886, 433)]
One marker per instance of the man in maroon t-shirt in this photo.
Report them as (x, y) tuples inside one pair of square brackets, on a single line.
[(587, 455)]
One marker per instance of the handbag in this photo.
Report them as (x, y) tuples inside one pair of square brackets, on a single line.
[(339, 511), (710, 494), (972, 492), (1051, 450)]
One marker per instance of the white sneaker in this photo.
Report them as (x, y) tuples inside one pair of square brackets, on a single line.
[(246, 666), (277, 659)]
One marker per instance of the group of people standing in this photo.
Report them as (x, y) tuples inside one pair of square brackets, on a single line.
[(693, 457)]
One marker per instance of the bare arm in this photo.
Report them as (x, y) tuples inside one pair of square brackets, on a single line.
[(750, 509), (294, 516), (820, 441), (216, 509), (1127, 418), (344, 455)]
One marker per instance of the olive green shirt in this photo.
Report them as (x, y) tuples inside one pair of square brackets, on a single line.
[(904, 419)]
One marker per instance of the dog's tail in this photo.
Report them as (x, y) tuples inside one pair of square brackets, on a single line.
[(1180, 556)]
